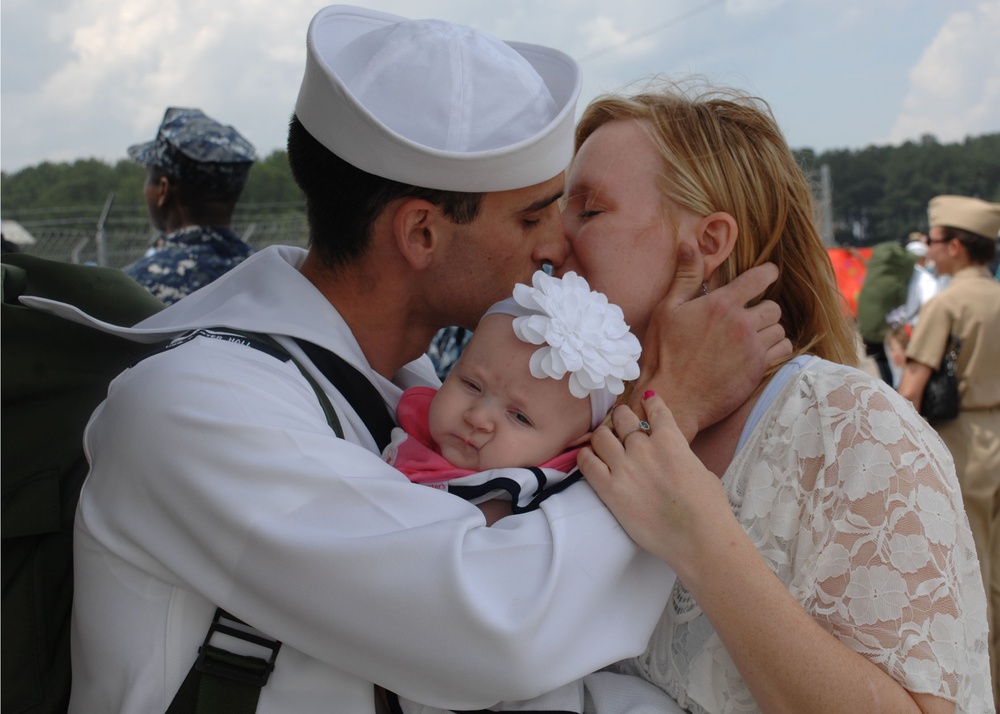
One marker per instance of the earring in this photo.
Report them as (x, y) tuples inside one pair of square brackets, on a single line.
[(704, 288)]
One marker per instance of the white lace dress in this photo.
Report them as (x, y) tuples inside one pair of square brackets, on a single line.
[(853, 502)]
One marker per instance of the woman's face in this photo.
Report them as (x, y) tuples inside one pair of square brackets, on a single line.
[(622, 232)]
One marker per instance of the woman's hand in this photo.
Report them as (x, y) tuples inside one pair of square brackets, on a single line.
[(656, 487), (707, 354), (675, 508)]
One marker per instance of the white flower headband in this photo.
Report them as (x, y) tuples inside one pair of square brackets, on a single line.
[(581, 332)]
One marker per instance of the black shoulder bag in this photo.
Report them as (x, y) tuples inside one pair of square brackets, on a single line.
[(940, 399)]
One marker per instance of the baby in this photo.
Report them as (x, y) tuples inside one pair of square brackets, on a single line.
[(538, 376)]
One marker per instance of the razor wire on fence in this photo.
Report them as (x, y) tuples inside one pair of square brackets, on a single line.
[(116, 236)]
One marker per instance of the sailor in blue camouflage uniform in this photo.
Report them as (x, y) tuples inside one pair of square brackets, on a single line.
[(196, 169), (446, 348)]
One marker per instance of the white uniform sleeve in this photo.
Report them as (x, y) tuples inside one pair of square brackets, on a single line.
[(612, 693)]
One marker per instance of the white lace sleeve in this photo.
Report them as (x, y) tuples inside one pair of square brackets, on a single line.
[(852, 499), (884, 554)]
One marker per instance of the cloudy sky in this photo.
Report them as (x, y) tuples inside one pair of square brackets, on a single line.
[(86, 78)]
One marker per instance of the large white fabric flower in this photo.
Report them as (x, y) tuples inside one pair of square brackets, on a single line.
[(584, 335)]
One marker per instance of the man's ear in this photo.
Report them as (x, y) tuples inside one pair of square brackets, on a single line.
[(716, 239), (164, 191), (418, 229)]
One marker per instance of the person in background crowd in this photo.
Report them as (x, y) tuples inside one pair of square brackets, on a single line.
[(961, 242), (196, 169), (924, 284), (888, 277), (447, 347)]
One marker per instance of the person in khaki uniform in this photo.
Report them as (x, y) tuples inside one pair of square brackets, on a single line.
[(961, 242)]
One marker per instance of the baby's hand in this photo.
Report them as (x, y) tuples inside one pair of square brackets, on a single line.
[(495, 509)]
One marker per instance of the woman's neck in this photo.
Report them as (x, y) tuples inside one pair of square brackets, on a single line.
[(716, 445)]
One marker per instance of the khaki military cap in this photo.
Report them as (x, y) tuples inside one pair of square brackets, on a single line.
[(968, 214)]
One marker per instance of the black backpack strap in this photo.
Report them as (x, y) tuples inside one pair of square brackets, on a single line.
[(281, 353), (267, 344), (222, 682), (359, 392)]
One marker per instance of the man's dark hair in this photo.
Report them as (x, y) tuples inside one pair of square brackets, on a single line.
[(981, 249), (342, 201)]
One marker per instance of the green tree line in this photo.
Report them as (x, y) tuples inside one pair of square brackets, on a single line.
[(87, 182), (877, 193), (880, 193)]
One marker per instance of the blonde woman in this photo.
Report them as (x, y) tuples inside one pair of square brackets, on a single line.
[(824, 559)]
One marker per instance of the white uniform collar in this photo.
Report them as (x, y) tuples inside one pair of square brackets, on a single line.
[(265, 293)]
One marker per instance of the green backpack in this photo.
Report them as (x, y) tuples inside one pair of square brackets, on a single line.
[(887, 277), (55, 372)]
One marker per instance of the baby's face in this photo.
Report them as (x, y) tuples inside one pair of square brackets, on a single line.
[(491, 413)]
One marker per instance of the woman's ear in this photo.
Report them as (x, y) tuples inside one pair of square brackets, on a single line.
[(417, 230), (716, 239)]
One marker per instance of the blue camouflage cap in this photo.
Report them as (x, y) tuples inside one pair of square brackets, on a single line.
[(191, 147)]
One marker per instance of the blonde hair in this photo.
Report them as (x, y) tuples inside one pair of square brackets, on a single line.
[(722, 150)]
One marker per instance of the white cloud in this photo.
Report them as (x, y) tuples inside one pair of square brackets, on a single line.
[(602, 34), (127, 61), (955, 87)]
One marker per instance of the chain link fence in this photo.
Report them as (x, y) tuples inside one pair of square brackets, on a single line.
[(116, 236)]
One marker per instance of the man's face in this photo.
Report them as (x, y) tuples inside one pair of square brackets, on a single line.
[(492, 413), (515, 233)]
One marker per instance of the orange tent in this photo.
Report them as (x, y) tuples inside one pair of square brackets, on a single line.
[(849, 266)]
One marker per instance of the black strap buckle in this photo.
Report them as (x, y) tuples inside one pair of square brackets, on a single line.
[(241, 668)]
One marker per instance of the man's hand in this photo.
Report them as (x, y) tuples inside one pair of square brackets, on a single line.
[(707, 354)]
